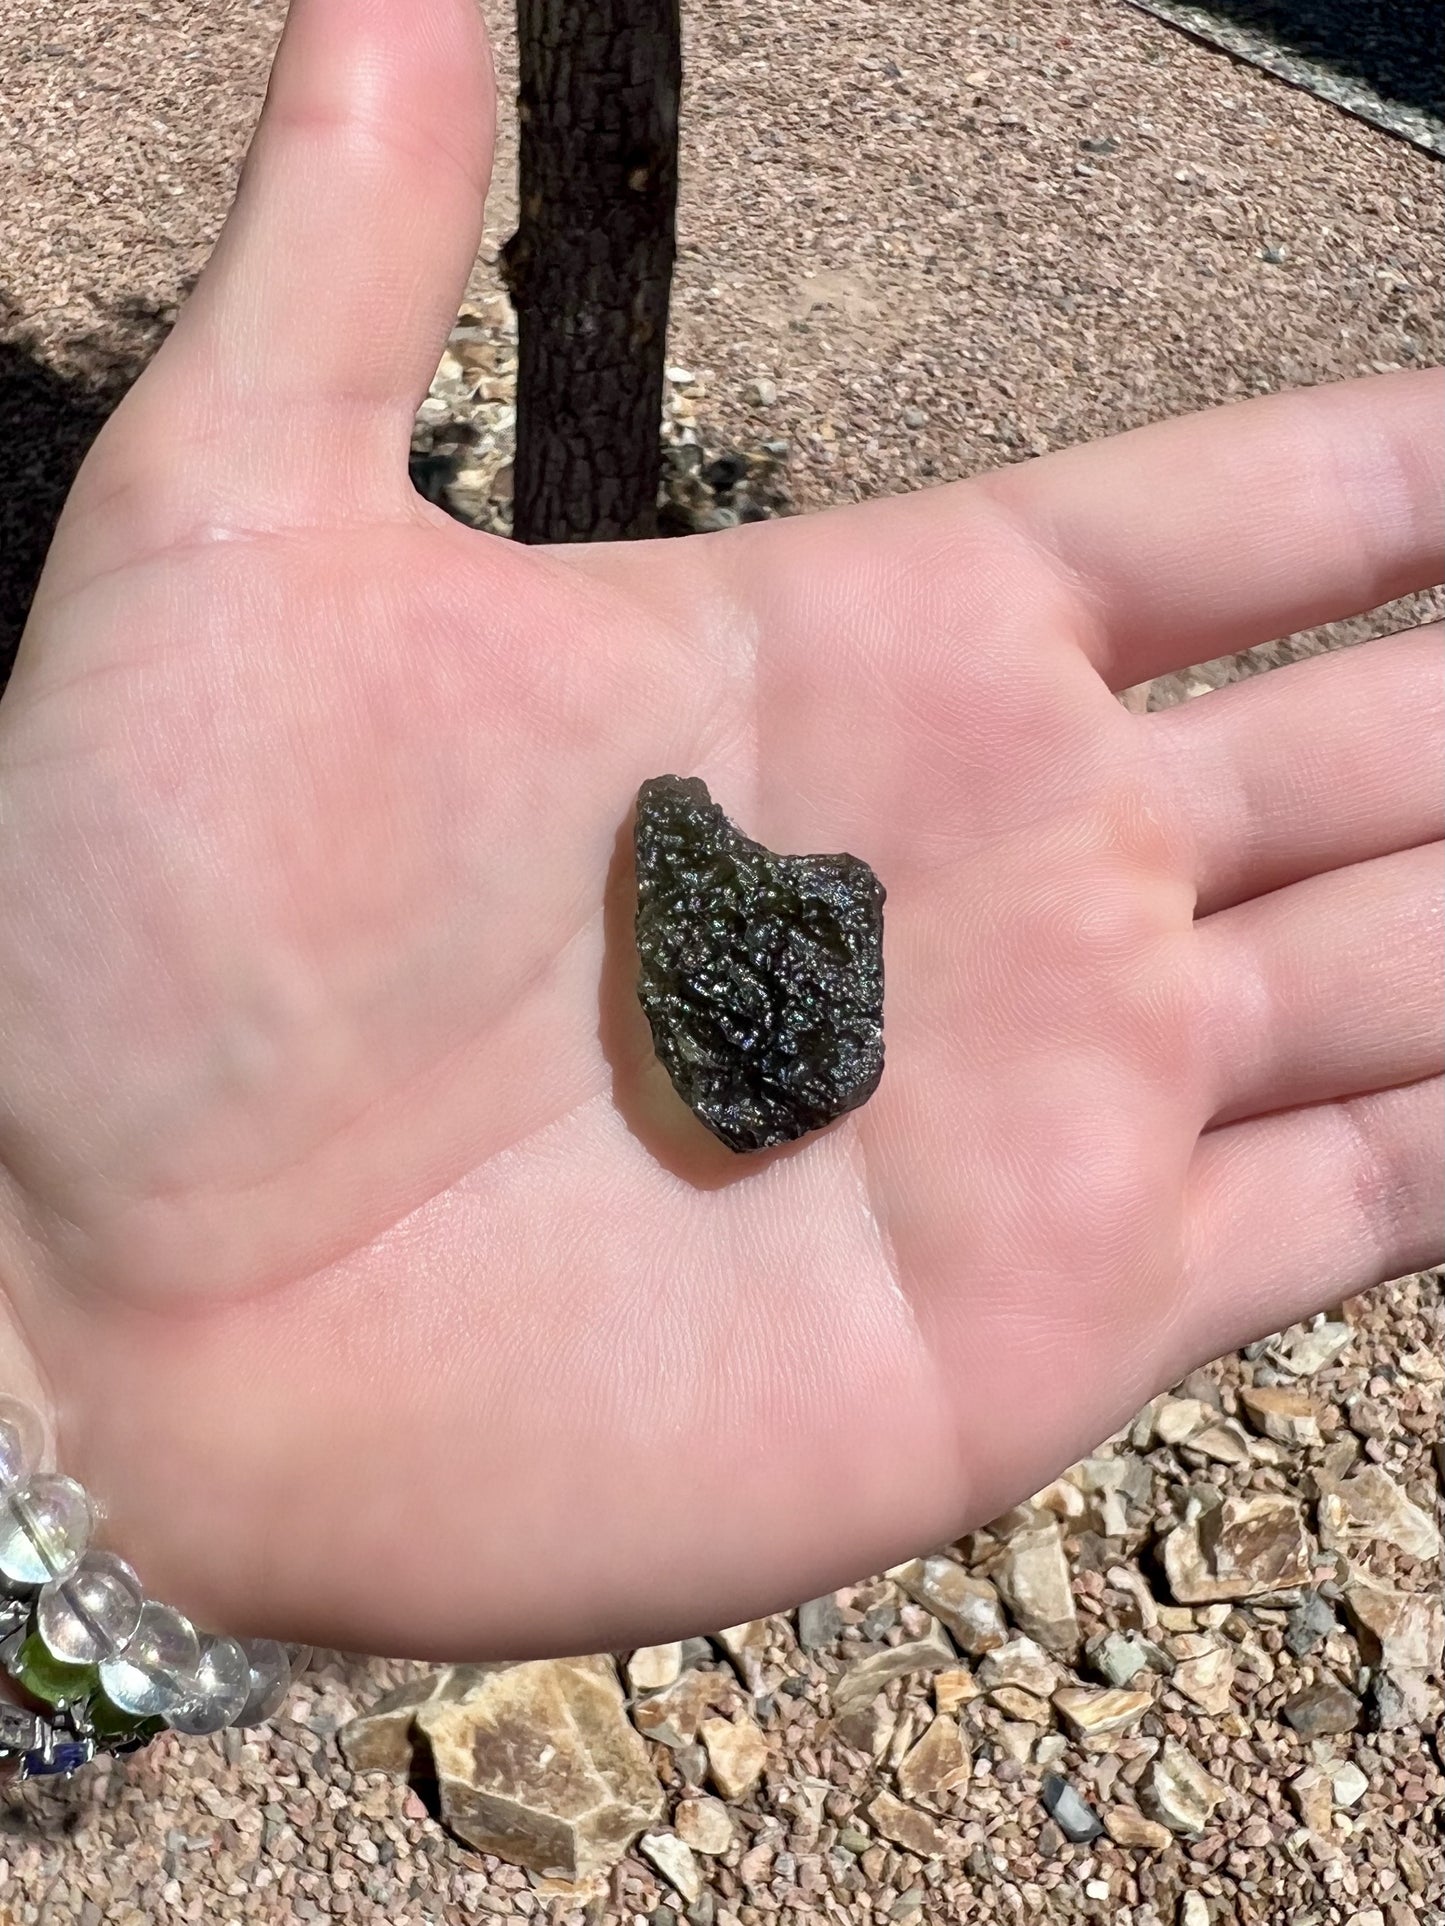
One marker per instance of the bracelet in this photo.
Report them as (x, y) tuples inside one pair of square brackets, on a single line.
[(108, 1667)]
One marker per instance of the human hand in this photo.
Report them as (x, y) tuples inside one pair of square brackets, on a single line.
[(379, 1284)]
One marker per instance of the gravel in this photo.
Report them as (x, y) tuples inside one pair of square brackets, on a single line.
[(916, 242), (1385, 63)]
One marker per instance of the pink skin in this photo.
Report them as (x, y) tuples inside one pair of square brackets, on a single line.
[(377, 1282)]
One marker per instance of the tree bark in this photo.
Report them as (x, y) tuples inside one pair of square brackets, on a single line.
[(590, 266)]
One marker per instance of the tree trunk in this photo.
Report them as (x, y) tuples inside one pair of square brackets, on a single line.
[(590, 266)]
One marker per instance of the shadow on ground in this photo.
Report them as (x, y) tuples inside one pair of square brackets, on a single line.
[(52, 406), (1396, 46)]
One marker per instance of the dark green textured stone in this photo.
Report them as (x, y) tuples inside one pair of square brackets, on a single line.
[(762, 975)]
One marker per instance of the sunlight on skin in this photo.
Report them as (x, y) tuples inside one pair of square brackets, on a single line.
[(381, 1287)]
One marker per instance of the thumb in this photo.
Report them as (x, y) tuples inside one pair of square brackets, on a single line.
[(290, 381)]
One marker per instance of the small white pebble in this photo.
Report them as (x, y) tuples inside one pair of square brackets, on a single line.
[(1349, 1784)]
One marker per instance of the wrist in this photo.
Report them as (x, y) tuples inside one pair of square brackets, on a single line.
[(89, 1662)]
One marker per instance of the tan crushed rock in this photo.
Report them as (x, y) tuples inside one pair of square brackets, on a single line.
[(937, 1764), (736, 1754)]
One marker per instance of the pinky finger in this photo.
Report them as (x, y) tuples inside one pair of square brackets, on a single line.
[(1290, 1213)]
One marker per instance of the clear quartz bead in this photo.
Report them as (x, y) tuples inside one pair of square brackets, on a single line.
[(22, 1442), (270, 1680), (222, 1687), (93, 1614), (44, 1529), (157, 1670)]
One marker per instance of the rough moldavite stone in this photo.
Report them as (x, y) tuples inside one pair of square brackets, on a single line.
[(762, 975)]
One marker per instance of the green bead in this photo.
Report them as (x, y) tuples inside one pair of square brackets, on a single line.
[(50, 1679), (116, 1726)]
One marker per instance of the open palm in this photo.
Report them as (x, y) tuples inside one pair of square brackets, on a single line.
[(381, 1286)]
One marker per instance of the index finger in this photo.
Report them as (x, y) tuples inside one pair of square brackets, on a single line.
[(1195, 538)]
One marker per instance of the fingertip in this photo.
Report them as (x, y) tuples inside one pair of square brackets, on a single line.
[(337, 275), (425, 63)]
